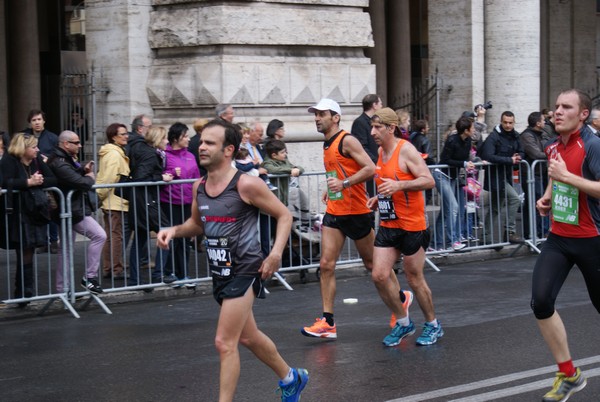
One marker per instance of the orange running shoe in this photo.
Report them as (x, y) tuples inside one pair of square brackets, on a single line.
[(320, 329), (408, 299)]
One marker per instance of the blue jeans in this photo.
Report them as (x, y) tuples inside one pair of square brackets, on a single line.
[(502, 213), (138, 251), (465, 221), (447, 221)]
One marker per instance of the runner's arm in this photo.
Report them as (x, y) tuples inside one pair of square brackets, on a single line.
[(557, 170), (417, 167), (255, 192), (351, 147)]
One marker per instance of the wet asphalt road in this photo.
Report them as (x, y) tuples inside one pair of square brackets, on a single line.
[(162, 349)]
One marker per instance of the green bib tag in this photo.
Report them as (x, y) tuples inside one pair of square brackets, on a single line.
[(565, 203), (333, 196)]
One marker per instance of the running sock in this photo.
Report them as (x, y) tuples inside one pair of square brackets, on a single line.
[(329, 318), (434, 322), (402, 296), (404, 322), (288, 378), (567, 368)]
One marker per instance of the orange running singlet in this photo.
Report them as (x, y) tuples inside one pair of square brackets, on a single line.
[(353, 200), (404, 209)]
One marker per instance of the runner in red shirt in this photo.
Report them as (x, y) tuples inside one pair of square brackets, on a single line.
[(571, 199)]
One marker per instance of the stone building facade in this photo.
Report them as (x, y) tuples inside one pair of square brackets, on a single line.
[(176, 59)]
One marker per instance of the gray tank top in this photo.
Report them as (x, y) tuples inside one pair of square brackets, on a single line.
[(231, 229)]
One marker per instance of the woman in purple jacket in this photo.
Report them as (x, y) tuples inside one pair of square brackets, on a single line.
[(176, 203)]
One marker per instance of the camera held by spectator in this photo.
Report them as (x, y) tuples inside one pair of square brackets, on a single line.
[(487, 105)]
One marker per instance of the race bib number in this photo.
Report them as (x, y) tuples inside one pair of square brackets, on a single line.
[(386, 208), (219, 256), (565, 203)]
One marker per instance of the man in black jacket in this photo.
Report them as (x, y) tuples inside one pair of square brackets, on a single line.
[(361, 129), (503, 149), (139, 127), (532, 140), (72, 176)]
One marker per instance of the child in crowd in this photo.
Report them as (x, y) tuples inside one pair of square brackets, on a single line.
[(244, 162), (278, 164)]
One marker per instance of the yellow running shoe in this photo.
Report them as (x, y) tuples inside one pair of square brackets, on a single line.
[(564, 386)]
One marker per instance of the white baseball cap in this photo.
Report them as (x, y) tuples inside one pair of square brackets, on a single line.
[(326, 104)]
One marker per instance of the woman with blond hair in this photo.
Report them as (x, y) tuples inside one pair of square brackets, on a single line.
[(403, 125), (147, 164), (113, 168), (23, 169)]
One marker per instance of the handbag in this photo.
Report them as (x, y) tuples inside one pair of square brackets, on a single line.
[(472, 189), (37, 207)]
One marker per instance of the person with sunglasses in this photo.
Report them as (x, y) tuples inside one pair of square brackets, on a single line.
[(72, 176)]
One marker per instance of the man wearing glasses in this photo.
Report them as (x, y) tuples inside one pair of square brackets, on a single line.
[(72, 176), (139, 127)]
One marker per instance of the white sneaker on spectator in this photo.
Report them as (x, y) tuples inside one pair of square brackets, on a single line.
[(458, 246)]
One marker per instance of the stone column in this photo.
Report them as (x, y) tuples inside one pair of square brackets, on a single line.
[(24, 83), (4, 123), (378, 53), (572, 44), (456, 50), (512, 58), (119, 53), (398, 46)]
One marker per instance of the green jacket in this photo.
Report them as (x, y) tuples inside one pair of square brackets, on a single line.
[(276, 167)]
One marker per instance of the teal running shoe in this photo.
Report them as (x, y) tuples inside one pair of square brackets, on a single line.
[(399, 332), (430, 334)]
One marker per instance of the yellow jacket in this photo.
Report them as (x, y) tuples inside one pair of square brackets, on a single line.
[(113, 164)]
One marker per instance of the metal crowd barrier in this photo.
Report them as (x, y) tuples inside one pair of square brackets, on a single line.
[(44, 265), (476, 222)]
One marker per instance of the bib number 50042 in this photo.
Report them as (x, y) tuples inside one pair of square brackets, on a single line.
[(219, 256)]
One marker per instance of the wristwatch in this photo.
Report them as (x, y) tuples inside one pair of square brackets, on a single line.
[(346, 183)]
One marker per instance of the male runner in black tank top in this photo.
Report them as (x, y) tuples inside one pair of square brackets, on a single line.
[(237, 273)]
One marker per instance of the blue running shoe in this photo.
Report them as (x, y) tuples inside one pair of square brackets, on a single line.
[(430, 334), (291, 392), (399, 332)]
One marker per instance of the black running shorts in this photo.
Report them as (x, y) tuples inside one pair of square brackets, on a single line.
[(237, 287), (407, 242), (354, 227)]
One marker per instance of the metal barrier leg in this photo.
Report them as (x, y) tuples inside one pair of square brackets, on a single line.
[(97, 300), (514, 252), (66, 303), (282, 281), (432, 265), (532, 246)]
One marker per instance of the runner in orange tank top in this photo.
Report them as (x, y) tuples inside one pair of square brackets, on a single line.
[(347, 167), (401, 178)]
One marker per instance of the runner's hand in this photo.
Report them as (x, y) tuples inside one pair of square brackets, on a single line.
[(269, 266), (543, 206), (164, 237), (557, 169)]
